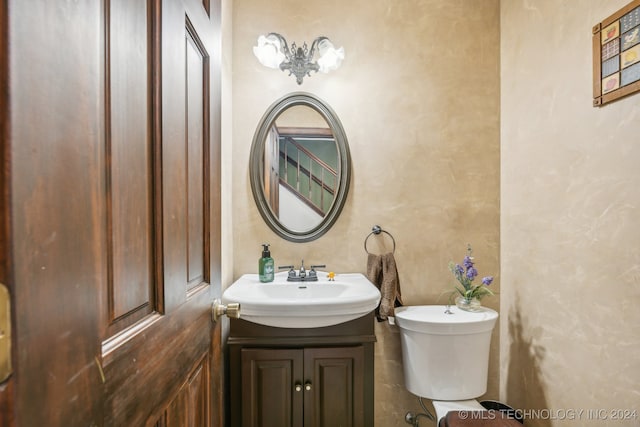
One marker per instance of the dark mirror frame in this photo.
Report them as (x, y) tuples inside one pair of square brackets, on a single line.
[(256, 165)]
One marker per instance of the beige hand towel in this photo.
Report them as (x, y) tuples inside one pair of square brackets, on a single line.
[(382, 272)]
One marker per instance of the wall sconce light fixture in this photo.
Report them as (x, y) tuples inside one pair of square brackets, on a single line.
[(272, 51)]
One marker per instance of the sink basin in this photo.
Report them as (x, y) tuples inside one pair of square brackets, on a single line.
[(303, 304)]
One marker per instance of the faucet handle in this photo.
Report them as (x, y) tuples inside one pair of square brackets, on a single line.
[(292, 272), (313, 275), (312, 272)]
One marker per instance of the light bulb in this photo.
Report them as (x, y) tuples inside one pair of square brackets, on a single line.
[(330, 57), (268, 51)]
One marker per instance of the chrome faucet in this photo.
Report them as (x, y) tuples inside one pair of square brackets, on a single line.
[(302, 275)]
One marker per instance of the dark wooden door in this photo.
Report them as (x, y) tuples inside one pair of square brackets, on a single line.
[(110, 211)]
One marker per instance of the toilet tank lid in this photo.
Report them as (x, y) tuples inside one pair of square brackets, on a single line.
[(434, 319)]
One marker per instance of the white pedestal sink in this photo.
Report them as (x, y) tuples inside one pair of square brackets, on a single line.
[(303, 304)]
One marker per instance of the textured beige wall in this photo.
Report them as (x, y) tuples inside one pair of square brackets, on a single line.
[(418, 96), (569, 220)]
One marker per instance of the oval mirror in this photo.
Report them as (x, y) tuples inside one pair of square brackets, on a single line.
[(300, 167)]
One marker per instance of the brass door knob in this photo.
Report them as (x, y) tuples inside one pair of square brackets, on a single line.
[(231, 310)]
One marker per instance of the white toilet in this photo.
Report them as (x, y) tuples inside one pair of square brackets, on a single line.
[(445, 353)]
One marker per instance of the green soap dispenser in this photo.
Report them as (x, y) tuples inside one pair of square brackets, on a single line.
[(266, 265)]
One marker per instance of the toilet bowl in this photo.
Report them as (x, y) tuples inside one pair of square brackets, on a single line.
[(445, 354)]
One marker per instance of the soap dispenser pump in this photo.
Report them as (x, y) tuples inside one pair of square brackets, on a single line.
[(266, 265)]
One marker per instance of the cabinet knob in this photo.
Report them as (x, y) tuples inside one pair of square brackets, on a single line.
[(307, 386), (298, 387), (218, 310)]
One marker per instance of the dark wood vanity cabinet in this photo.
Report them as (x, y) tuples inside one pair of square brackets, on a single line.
[(318, 377)]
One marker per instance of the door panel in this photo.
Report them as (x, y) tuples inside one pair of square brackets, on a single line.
[(190, 407), (129, 147), (196, 147), (336, 397), (110, 206), (188, 179), (268, 384)]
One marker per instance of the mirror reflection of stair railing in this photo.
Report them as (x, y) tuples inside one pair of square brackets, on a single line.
[(307, 176)]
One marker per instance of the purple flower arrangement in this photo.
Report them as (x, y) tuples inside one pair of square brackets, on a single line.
[(465, 274)]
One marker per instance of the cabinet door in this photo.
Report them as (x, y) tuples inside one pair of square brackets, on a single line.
[(336, 395), (269, 395)]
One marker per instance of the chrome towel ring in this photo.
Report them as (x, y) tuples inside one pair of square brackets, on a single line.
[(377, 230)]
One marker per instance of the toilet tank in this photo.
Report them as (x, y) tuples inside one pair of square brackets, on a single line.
[(445, 356)]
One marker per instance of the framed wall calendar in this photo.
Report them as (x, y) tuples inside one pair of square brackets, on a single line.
[(616, 55)]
